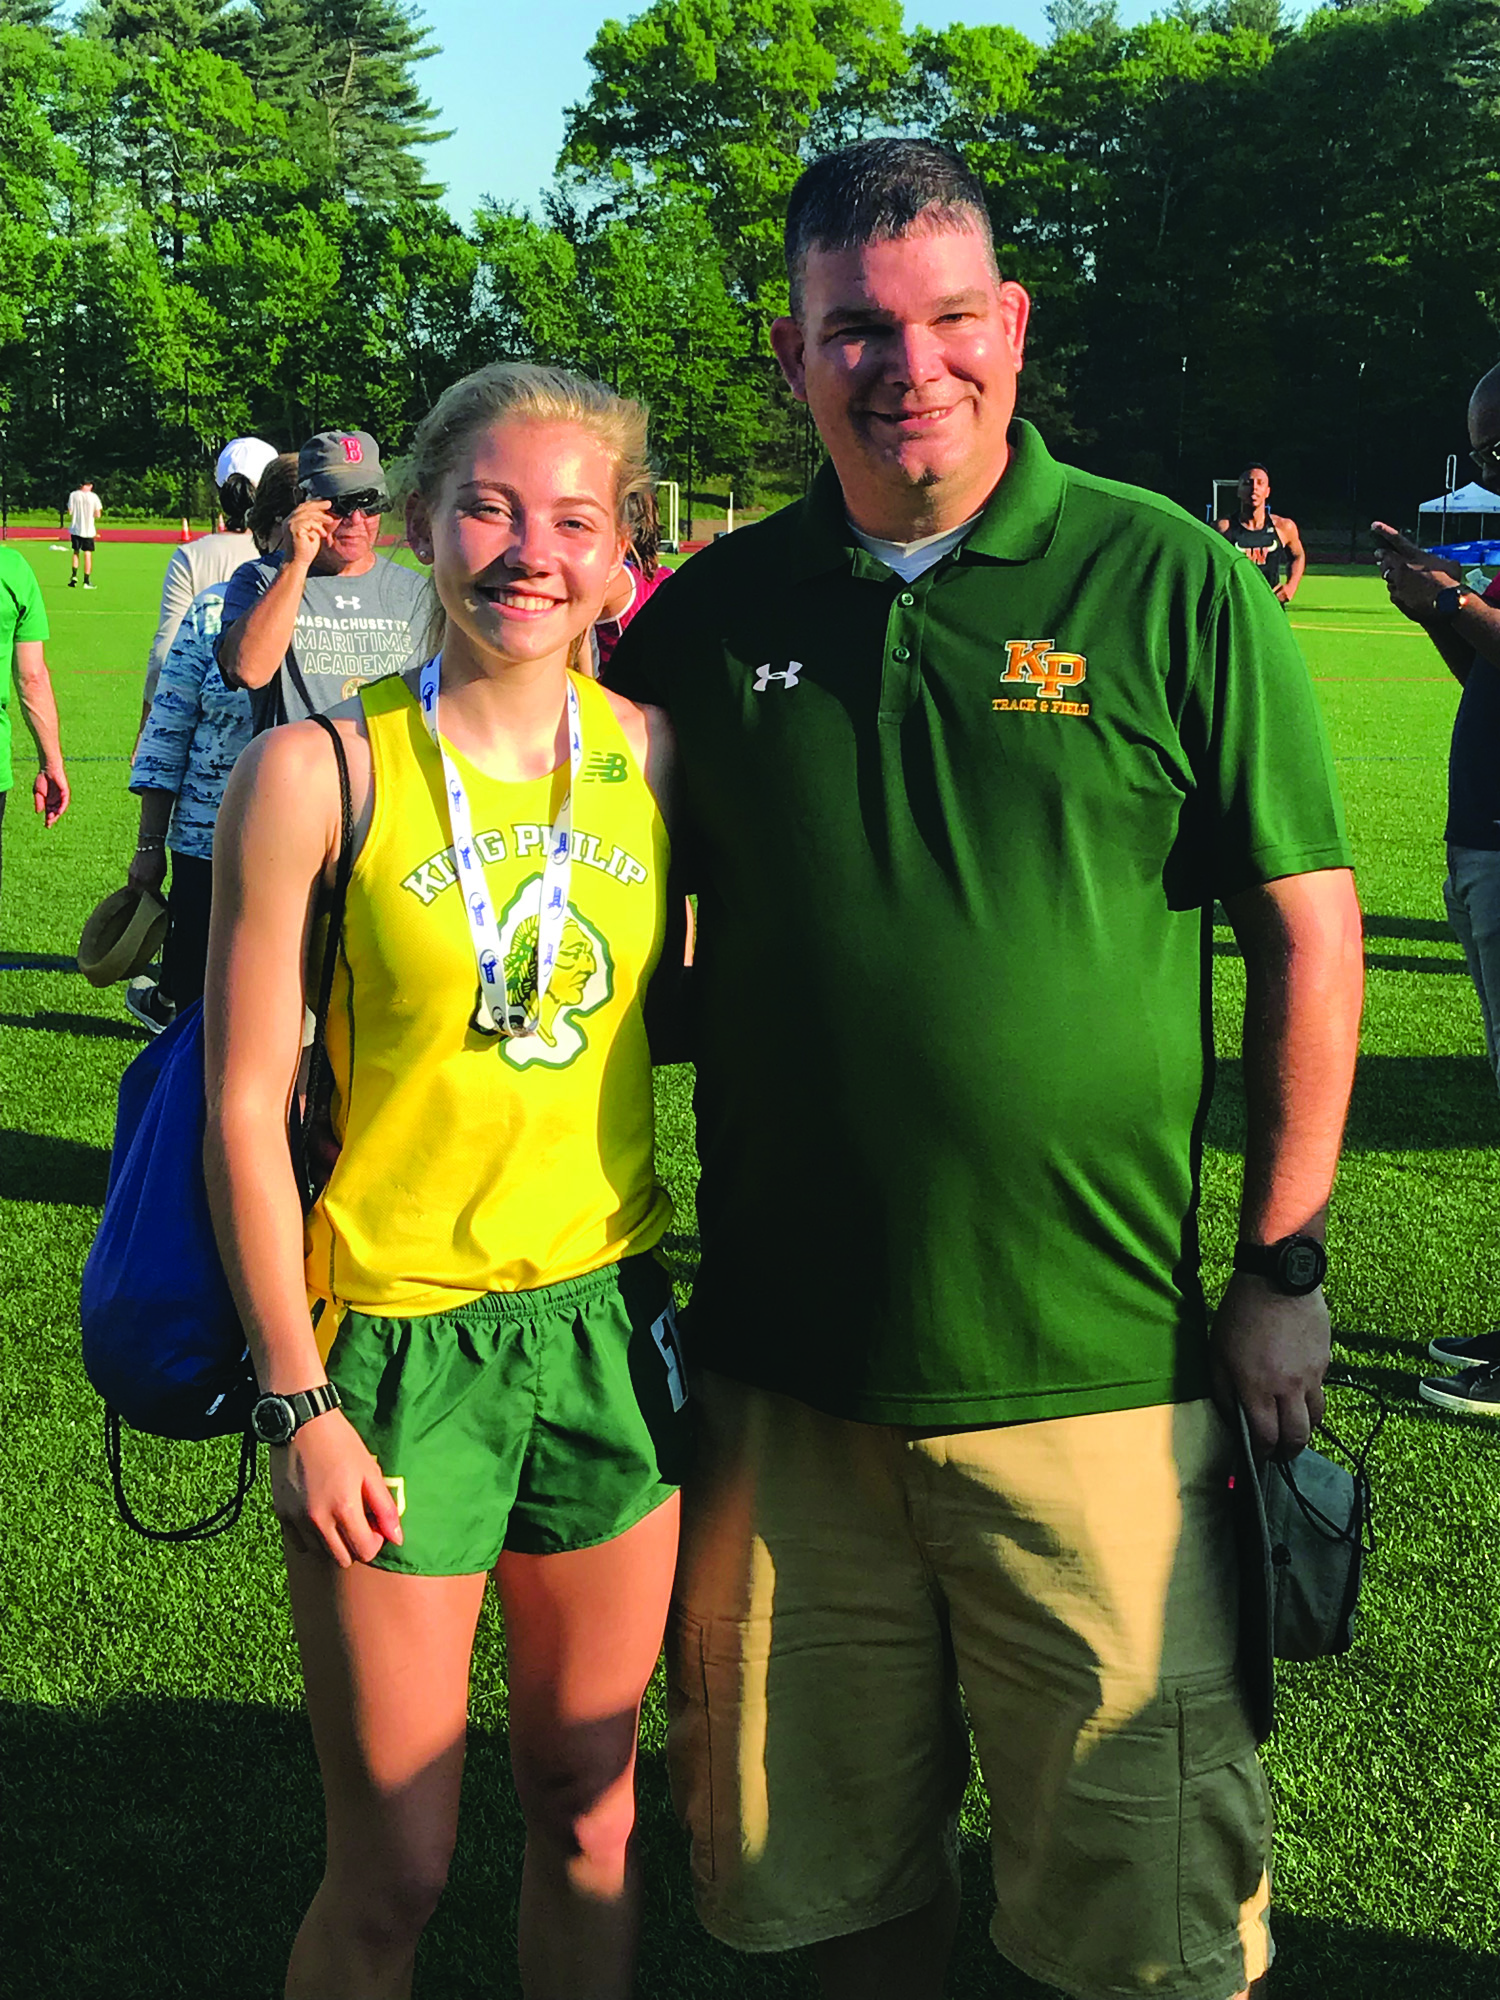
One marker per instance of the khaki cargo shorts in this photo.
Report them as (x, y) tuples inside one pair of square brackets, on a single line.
[(846, 1590)]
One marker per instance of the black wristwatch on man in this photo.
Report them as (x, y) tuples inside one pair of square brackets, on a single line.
[(1450, 601), (277, 1419), (1295, 1266)]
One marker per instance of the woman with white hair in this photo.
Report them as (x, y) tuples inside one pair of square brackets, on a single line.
[(211, 559)]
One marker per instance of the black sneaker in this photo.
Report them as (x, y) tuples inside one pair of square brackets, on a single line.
[(1476, 1352), (145, 1002), (72, 583), (1477, 1391)]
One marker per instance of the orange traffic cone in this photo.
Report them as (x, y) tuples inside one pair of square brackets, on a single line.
[(186, 535)]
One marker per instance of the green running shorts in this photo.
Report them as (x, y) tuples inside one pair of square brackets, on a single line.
[(536, 1421)]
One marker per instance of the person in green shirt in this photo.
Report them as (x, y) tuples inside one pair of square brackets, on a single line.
[(23, 632), (971, 742)]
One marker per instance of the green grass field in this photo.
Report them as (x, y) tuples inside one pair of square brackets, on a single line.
[(164, 1813)]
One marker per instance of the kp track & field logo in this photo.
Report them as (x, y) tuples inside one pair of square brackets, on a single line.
[(1035, 666)]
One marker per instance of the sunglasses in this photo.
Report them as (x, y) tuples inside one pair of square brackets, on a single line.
[(1487, 458), (371, 502), (342, 505)]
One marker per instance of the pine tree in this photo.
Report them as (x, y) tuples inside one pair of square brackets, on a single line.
[(342, 72), (1098, 19), (153, 25), (27, 13)]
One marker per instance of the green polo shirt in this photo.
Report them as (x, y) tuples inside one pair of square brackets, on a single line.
[(22, 616), (956, 844)]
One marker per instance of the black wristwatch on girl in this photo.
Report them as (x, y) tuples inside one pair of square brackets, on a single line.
[(277, 1419)]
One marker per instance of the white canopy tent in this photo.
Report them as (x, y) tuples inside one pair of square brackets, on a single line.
[(1470, 514), (1470, 499)]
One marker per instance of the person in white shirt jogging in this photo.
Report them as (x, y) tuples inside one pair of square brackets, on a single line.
[(84, 509)]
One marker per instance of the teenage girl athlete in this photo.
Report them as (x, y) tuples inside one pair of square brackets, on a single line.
[(473, 1282)]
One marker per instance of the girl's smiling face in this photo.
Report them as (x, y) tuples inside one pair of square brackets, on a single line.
[(523, 539)]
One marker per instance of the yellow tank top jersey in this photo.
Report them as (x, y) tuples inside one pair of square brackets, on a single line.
[(471, 1164)]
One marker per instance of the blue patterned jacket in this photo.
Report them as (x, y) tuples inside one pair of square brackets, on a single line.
[(196, 729)]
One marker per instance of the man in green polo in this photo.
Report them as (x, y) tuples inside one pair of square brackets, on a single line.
[(971, 742)]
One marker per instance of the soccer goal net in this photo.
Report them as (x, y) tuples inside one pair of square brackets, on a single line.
[(669, 507)]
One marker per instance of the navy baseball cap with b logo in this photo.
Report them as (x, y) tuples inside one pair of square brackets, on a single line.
[(337, 462)]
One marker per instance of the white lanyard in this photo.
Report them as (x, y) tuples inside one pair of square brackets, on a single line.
[(495, 1015)]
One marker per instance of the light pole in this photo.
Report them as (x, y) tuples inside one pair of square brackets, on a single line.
[(1354, 465), (689, 535), (187, 439)]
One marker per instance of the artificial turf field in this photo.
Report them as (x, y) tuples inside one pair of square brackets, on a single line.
[(164, 1822)]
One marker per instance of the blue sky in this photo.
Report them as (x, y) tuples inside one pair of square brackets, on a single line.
[(508, 70)]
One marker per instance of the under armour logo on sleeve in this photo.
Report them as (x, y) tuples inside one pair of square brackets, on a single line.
[(788, 678)]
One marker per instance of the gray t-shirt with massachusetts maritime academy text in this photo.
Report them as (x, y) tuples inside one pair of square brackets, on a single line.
[(350, 629)]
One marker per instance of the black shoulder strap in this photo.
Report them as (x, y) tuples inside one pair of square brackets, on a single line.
[(268, 708), (319, 1069), (294, 675)]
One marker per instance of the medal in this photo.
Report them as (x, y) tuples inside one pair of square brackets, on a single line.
[(496, 1013)]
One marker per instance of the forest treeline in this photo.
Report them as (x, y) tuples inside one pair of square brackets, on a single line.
[(1245, 235)]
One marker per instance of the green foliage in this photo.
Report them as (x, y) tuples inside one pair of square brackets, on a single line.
[(29, 164), (341, 70), (732, 98), (1244, 236), (640, 299), (213, 218), (1223, 219)]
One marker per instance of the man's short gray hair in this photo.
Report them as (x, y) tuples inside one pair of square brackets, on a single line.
[(874, 191)]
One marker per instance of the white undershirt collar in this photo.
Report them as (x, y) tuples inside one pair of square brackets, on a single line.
[(913, 559)]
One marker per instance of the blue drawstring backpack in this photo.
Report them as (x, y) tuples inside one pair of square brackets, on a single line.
[(162, 1340)]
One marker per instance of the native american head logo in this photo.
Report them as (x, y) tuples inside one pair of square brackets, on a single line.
[(582, 980)]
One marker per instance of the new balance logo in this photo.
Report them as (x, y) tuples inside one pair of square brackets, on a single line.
[(605, 767), (764, 676), (346, 603)]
